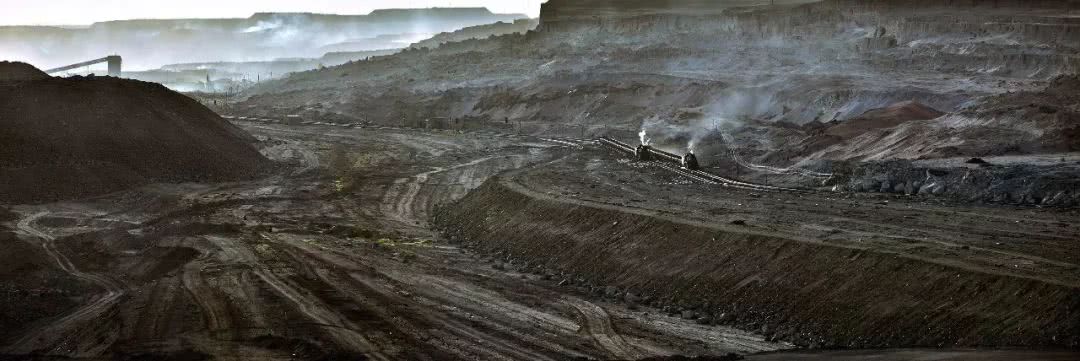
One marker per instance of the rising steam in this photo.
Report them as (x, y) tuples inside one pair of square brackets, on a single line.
[(150, 44)]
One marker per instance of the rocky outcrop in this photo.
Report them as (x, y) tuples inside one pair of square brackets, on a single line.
[(519, 26), (986, 182)]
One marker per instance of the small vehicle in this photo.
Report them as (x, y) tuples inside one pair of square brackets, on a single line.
[(643, 152), (689, 161)]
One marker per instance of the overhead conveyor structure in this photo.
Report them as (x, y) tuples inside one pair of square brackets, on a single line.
[(114, 61)]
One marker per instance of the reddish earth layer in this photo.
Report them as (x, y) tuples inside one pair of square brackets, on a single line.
[(887, 117)]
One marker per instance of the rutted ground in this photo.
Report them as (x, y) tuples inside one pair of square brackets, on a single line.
[(813, 269), (297, 266), (58, 334)]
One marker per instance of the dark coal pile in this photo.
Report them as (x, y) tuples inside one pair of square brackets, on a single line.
[(5, 215), (82, 136), (10, 71)]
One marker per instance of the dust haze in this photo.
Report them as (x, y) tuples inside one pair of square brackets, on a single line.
[(611, 180)]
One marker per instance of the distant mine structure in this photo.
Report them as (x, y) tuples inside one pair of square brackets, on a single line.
[(114, 61)]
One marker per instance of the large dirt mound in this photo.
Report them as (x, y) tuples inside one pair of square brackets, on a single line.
[(74, 137), (11, 71)]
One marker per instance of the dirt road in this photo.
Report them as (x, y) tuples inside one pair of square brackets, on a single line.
[(293, 266), (63, 334), (852, 270), (1027, 242), (296, 266)]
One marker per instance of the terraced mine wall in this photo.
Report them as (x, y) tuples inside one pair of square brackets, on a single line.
[(1001, 45), (814, 295), (1003, 34)]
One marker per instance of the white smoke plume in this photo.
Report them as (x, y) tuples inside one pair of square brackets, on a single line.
[(686, 130)]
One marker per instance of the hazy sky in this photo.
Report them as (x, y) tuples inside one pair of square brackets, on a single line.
[(83, 12)]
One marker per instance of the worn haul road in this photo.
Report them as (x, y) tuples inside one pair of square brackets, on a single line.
[(321, 262), (1025, 242), (816, 268)]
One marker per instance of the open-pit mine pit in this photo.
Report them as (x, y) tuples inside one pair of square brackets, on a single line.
[(613, 180)]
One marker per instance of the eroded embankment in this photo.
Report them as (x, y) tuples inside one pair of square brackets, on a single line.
[(810, 294)]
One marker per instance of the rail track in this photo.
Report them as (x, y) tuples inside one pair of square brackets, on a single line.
[(672, 162)]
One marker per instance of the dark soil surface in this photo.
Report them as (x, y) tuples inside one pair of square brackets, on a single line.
[(75, 137), (333, 258), (819, 270), (6, 215), (15, 71), (908, 355)]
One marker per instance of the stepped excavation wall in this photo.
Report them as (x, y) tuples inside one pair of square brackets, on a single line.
[(811, 294)]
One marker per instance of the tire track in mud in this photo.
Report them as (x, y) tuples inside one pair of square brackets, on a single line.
[(216, 315), (378, 310), (405, 202), (472, 320), (729, 339), (400, 205), (400, 199), (59, 335), (470, 337), (343, 332), (292, 150), (517, 324), (597, 323), (335, 325), (487, 343)]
